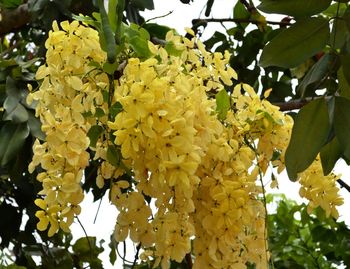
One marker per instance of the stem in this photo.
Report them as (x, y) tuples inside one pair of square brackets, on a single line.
[(343, 184), (86, 236), (136, 255), (239, 20), (98, 209)]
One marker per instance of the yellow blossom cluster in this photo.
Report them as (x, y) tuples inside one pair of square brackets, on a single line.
[(177, 174), (321, 191), (68, 89)]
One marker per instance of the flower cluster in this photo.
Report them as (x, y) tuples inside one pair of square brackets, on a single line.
[(320, 190), (177, 173), (68, 90)]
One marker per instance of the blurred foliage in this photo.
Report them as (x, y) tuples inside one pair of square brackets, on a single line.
[(306, 51)]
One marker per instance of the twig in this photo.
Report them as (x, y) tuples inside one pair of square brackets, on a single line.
[(159, 17), (136, 255), (239, 20), (299, 103), (98, 210), (86, 236), (292, 105), (343, 184)]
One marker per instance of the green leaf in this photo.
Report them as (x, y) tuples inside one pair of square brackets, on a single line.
[(310, 132), (157, 30), (110, 68), (115, 109), (13, 91), (107, 33), (12, 137), (240, 12), (343, 84), (84, 244), (113, 253), (330, 153), (222, 104), (113, 156), (112, 14), (11, 3), (34, 125), (94, 134), (296, 44), (14, 110), (140, 46), (142, 4), (208, 8), (172, 50), (345, 61), (339, 33), (342, 123), (295, 8), (317, 72)]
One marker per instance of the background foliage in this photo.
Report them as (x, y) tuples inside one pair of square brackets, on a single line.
[(304, 58)]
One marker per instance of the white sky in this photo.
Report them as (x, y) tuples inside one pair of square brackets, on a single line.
[(180, 18)]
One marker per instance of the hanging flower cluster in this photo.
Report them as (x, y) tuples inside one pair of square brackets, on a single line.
[(177, 172), (320, 190), (69, 88)]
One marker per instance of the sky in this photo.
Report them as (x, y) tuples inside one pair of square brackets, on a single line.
[(180, 18)]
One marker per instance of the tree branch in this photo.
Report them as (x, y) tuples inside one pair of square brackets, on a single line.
[(13, 19), (239, 20), (292, 105)]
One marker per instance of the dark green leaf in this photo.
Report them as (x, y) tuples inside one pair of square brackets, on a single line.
[(9, 229), (34, 125), (12, 137), (310, 132), (317, 72), (345, 61), (343, 84), (339, 33), (222, 104), (115, 109), (157, 30), (142, 4), (330, 153), (113, 156), (342, 123), (208, 8), (296, 44), (94, 134), (295, 8), (113, 253), (13, 91), (14, 110)]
